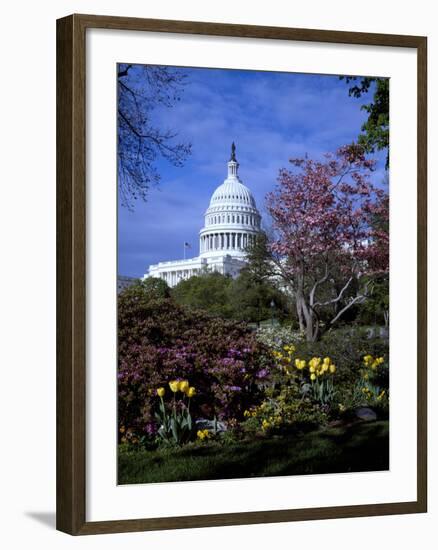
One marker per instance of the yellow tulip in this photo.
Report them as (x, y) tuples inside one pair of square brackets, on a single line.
[(327, 361), (332, 369), (161, 392), (190, 392), (183, 385), (174, 385), (312, 369), (313, 376)]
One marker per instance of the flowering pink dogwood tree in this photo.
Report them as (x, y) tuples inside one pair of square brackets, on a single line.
[(330, 234)]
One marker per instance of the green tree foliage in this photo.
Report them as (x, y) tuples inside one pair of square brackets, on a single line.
[(375, 131), (151, 289), (260, 268), (255, 300), (156, 288), (208, 292), (247, 298), (375, 311)]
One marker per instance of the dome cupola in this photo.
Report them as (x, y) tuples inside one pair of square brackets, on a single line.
[(232, 220)]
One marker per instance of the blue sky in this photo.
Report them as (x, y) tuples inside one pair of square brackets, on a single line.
[(270, 116)]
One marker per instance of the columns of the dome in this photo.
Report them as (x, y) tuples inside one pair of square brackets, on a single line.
[(233, 167)]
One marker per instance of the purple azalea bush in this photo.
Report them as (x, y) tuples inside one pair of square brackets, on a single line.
[(160, 341)]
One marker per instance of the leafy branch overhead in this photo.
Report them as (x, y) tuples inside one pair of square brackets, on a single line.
[(141, 141), (375, 130)]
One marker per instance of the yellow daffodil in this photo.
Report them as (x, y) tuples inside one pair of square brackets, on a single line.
[(203, 434), (161, 392)]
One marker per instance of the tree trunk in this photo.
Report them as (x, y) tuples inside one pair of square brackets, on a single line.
[(300, 316), (310, 320)]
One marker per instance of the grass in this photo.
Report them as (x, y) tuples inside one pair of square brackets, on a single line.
[(355, 448)]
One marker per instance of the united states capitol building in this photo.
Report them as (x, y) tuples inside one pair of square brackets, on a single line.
[(231, 224)]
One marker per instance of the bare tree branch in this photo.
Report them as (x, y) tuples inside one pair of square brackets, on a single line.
[(359, 299)]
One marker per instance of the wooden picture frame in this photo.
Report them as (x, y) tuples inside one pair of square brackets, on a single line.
[(71, 273)]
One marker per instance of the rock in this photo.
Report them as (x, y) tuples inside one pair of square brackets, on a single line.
[(365, 413), (204, 424)]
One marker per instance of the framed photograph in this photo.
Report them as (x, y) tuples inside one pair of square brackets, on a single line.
[(241, 274)]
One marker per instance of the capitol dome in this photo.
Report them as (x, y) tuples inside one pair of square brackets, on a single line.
[(231, 225), (232, 220), (232, 191)]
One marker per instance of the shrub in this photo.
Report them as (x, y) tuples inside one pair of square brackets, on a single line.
[(346, 348), (160, 341), (333, 375), (277, 337), (284, 410)]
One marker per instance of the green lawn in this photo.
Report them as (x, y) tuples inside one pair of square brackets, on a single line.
[(359, 447)]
